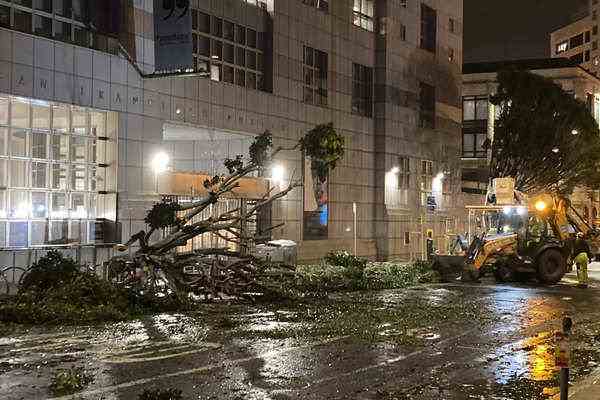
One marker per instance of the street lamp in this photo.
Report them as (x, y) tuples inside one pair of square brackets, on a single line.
[(277, 174), (555, 150), (160, 164), (574, 132)]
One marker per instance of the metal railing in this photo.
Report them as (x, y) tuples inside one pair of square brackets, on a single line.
[(15, 262)]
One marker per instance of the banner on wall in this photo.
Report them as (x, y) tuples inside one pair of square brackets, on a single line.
[(172, 35)]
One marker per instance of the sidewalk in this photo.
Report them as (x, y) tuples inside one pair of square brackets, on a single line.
[(589, 388)]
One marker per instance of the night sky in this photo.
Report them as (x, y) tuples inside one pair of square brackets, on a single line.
[(514, 29)]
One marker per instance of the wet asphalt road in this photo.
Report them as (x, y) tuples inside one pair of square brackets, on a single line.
[(433, 342)]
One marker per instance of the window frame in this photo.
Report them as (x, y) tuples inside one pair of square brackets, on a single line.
[(360, 15), (216, 64), (321, 5), (475, 128), (428, 29), (427, 105), (362, 102), (317, 86)]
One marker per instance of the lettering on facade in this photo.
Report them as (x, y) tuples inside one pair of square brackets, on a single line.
[(135, 99), (118, 98), (21, 80), (101, 94)]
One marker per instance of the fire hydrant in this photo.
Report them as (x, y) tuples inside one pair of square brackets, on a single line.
[(582, 261)]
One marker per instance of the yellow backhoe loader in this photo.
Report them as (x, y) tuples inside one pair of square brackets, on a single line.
[(539, 236)]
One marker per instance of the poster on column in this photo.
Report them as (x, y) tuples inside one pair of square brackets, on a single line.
[(172, 35)]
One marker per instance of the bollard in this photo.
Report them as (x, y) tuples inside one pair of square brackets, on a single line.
[(563, 357)]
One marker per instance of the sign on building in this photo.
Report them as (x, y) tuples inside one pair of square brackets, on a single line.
[(172, 35), (505, 191)]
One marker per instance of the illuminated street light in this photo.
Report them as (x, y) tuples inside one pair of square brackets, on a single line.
[(574, 132), (540, 205), (160, 162), (395, 170), (277, 173), (555, 150)]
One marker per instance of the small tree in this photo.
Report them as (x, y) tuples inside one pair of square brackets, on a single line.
[(240, 272), (544, 138)]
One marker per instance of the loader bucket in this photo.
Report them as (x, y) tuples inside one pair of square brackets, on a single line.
[(450, 268)]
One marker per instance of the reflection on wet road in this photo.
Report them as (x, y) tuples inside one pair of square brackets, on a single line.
[(435, 342)]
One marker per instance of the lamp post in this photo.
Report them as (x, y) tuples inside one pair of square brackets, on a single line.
[(278, 175), (160, 164)]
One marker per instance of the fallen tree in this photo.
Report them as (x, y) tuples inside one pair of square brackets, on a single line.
[(157, 267)]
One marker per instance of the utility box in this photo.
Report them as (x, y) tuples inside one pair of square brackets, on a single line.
[(278, 251), (505, 191)]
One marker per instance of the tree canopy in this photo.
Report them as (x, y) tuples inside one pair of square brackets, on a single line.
[(544, 137)]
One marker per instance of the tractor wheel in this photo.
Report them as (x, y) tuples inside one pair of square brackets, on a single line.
[(504, 273), (551, 266)]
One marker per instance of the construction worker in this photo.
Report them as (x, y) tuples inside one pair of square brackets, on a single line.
[(582, 261)]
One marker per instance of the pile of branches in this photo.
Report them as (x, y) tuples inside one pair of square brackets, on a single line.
[(157, 267)]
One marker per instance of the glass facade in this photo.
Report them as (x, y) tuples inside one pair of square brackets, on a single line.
[(57, 165), (228, 52), (64, 20)]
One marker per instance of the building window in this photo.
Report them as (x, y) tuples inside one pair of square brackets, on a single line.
[(594, 14), (428, 28), (363, 11), (403, 32), (452, 25), (397, 184), (595, 45), (474, 140), (65, 20), (315, 76), (595, 30), (577, 58), (52, 171), (562, 47), (227, 52), (404, 3), (588, 36), (406, 238), (258, 3), (362, 90), (475, 122), (450, 54), (576, 41), (426, 182), (426, 106), (586, 58), (322, 5), (475, 108)]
